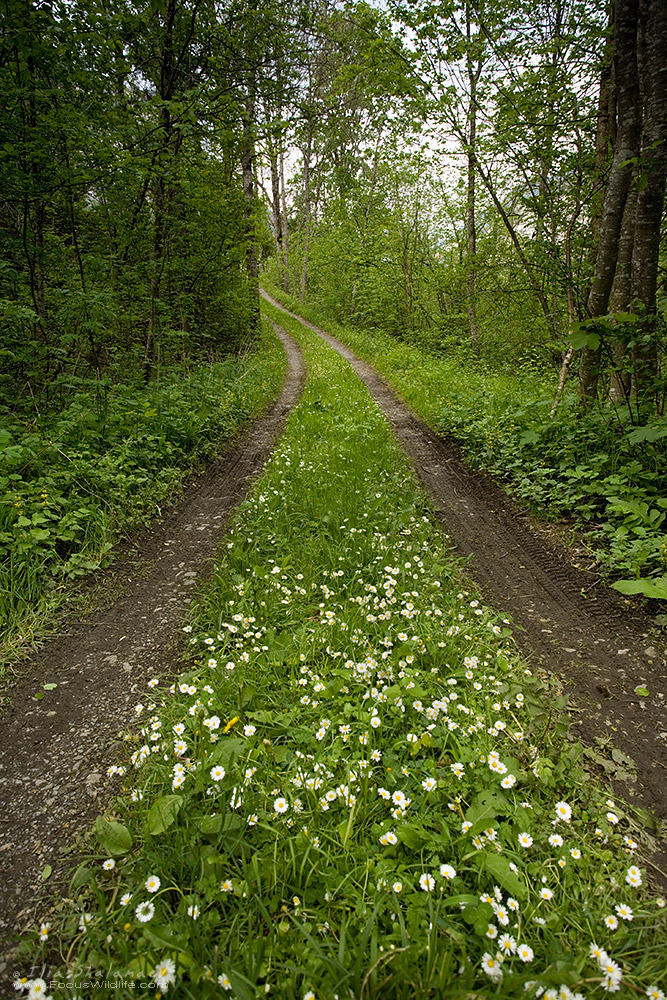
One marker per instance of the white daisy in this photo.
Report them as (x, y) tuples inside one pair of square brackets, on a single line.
[(145, 912), (164, 974)]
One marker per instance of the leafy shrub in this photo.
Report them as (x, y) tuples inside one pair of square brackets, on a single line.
[(73, 480), (581, 466)]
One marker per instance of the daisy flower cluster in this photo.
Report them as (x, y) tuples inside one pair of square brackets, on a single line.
[(355, 751)]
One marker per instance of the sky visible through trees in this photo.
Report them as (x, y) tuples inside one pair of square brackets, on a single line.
[(472, 194)]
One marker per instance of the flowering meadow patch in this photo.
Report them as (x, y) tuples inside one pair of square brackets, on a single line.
[(355, 788)]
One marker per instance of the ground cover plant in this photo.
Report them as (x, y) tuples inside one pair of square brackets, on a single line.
[(355, 788), (606, 476), (74, 479)]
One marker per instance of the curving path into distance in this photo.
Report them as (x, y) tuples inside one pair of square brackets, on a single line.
[(54, 752), (581, 632)]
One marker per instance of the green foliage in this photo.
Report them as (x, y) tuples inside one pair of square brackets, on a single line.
[(656, 588), (605, 477), (124, 239), (73, 480), (386, 254), (375, 794), (113, 836)]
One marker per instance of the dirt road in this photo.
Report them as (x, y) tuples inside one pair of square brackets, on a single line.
[(581, 631), (54, 752)]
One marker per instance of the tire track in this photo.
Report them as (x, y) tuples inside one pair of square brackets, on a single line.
[(581, 631), (54, 752)]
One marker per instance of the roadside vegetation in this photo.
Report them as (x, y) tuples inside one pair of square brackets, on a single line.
[(602, 475), (355, 787), (78, 475)]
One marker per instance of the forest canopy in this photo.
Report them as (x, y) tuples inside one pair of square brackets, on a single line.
[(482, 180), (431, 168)]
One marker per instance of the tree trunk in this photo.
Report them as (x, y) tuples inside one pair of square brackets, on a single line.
[(605, 132), (651, 195), (283, 210), (248, 172), (37, 258), (625, 149), (275, 206), (621, 294), (471, 277), (307, 209)]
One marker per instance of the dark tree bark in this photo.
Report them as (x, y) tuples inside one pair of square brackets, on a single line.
[(621, 294), (605, 132), (248, 173), (651, 196), (626, 148)]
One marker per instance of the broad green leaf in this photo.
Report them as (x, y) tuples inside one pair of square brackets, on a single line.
[(162, 813), (411, 837), (463, 899), (656, 588), (499, 868), (486, 806), (163, 937), (226, 751), (210, 824), (113, 836), (585, 338), (649, 433), (82, 875)]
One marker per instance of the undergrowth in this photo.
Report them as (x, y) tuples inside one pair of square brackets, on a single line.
[(355, 788), (597, 470), (73, 481)]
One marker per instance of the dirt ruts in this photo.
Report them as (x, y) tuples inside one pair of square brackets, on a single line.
[(54, 752), (583, 632)]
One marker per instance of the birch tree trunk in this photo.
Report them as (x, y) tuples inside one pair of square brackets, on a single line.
[(283, 210), (474, 73), (307, 209)]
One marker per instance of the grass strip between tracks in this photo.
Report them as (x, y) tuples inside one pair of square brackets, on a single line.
[(595, 471), (355, 788)]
